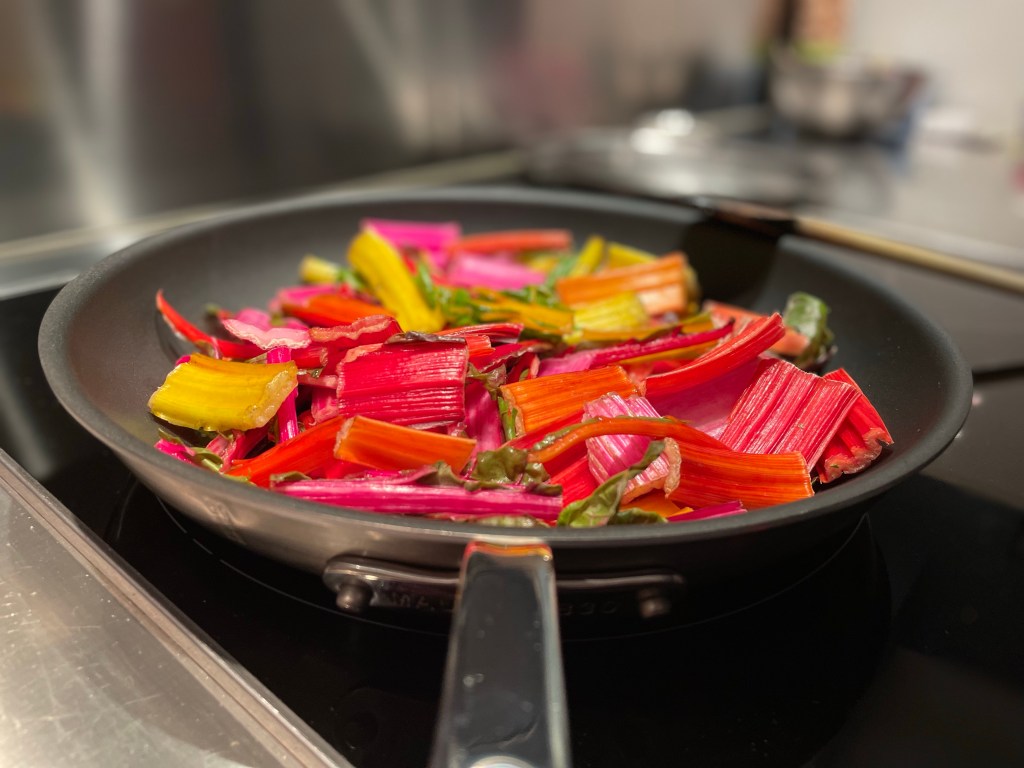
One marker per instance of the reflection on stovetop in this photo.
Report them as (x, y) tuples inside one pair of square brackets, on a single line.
[(904, 649)]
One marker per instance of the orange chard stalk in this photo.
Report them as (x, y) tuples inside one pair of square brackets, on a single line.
[(331, 309), (659, 284), (543, 401), (710, 476), (659, 429), (514, 241), (382, 445), (307, 452)]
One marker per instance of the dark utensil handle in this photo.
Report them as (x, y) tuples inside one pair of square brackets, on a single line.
[(504, 693)]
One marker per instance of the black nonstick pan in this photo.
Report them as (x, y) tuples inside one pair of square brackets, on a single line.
[(104, 350)]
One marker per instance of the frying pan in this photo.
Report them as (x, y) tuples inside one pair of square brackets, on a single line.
[(104, 350)]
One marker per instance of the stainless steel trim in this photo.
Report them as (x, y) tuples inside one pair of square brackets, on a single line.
[(95, 671), (363, 583)]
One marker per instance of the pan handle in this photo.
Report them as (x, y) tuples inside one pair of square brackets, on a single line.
[(504, 694)]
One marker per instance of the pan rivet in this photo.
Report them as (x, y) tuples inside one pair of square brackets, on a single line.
[(653, 603), (353, 597)]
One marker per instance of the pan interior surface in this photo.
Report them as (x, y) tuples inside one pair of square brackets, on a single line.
[(105, 350)]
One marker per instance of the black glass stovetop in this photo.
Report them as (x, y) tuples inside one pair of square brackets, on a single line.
[(904, 645)]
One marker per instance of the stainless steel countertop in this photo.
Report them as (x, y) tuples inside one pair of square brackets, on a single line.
[(95, 672)]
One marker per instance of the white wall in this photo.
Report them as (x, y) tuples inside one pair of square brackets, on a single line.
[(973, 48)]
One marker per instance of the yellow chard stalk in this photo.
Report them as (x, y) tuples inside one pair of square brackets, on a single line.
[(219, 395), (377, 261)]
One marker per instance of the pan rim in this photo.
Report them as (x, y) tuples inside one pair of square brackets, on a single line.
[(55, 356)]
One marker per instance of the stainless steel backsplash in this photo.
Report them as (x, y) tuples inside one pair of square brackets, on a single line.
[(112, 109)]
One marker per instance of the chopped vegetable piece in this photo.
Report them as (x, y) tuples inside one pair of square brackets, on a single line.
[(543, 401), (616, 312), (204, 341), (545, 320), (313, 269), (624, 425), (709, 476), (707, 406), (514, 241), (576, 480), (218, 395), (609, 454), (792, 344), (634, 350), (809, 316), (620, 255), (474, 270), (429, 237), (658, 284), (410, 499), (656, 501), (327, 309), (265, 339), (745, 345), (287, 421), (381, 445), (496, 332), (410, 382), (706, 513), (589, 258), (306, 453), (377, 261), (600, 506), (483, 422), (785, 409), (860, 439)]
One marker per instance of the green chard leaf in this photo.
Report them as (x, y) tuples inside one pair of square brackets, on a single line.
[(635, 516), (809, 315), (507, 465), (601, 506)]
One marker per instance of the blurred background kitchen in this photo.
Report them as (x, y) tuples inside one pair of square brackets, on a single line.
[(119, 118)]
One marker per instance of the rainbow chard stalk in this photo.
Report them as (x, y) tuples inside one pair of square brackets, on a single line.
[(539, 402), (472, 270), (786, 409), (378, 444), (287, 421), (576, 480), (219, 395), (431, 238), (377, 262), (707, 406), (307, 453), (324, 403), (219, 348), (336, 340), (408, 382), (623, 353), (267, 338), (603, 506), (706, 513), (659, 284), (404, 498), (713, 476), (483, 422), (859, 440), (610, 454), (235, 445), (746, 345)]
